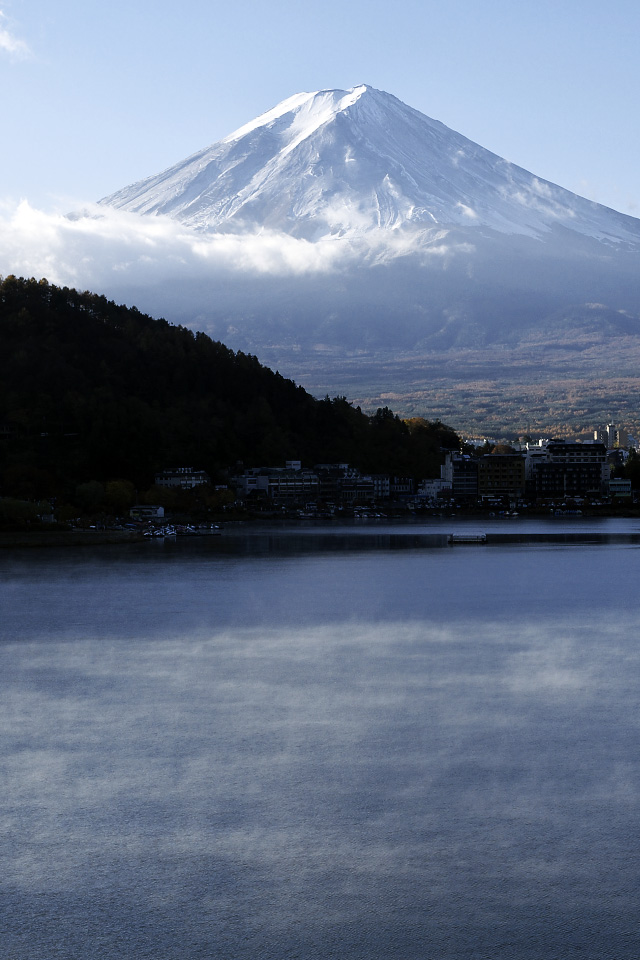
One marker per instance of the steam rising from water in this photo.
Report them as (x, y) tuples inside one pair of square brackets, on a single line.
[(360, 787)]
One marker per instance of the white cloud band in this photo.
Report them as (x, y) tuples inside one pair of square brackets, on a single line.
[(106, 250)]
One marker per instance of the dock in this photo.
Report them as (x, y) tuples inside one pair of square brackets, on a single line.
[(467, 538)]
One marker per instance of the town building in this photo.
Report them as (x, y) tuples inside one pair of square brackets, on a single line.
[(356, 489), (330, 477), (501, 475), (561, 469), (612, 436), (146, 511), (400, 487), (460, 473), (381, 486), (434, 489), (620, 488), (181, 478), (286, 484)]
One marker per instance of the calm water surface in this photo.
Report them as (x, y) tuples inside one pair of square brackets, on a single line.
[(323, 743)]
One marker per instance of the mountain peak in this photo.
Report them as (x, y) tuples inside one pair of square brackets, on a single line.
[(346, 162), (300, 115)]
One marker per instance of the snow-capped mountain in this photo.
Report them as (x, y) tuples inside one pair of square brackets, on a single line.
[(344, 163), (449, 269)]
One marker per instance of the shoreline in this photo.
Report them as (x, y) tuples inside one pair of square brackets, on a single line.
[(66, 538), (75, 537)]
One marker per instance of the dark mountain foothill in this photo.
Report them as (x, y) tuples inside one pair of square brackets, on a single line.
[(91, 391)]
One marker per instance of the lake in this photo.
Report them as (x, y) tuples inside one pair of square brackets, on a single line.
[(324, 742)]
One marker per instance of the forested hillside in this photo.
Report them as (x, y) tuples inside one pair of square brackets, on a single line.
[(90, 390)]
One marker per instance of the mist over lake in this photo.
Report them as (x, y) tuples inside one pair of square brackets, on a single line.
[(333, 742)]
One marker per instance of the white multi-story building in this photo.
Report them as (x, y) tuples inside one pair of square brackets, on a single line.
[(612, 436)]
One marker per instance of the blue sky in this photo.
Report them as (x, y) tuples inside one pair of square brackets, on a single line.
[(96, 96)]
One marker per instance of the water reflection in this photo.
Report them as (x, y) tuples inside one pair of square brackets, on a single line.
[(387, 753)]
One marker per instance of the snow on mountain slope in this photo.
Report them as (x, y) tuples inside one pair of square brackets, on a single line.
[(346, 163)]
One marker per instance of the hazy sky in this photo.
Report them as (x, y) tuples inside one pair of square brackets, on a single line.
[(96, 96)]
